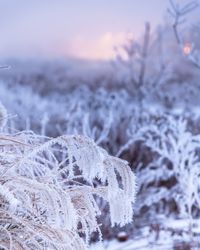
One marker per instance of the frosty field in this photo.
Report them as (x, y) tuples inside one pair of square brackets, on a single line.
[(101, 151)]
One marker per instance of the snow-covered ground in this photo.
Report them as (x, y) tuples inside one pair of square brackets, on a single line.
[(174, 234)]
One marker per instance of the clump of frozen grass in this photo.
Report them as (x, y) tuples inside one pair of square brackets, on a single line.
[(47, 190)]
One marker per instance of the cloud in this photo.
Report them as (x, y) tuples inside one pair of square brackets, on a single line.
[(101, 47)]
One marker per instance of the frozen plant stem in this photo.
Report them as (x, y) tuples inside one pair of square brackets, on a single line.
[(178, 13)]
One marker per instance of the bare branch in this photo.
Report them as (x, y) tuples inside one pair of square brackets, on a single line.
[(178, 14), (144, 54)]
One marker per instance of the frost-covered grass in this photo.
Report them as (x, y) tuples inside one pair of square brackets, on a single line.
[(48, 190), (162, 145)]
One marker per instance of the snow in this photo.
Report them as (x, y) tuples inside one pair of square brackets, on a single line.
[(150, 240)]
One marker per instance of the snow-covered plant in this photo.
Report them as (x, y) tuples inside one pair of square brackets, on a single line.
[(101, 115), (177, 160), (48, 190), (143, 65)]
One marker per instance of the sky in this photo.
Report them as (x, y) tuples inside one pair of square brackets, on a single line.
[(79, 28)]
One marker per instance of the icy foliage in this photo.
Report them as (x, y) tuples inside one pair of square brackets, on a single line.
[(177, 150), (113, 121), (47, 190), (22, 108)]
